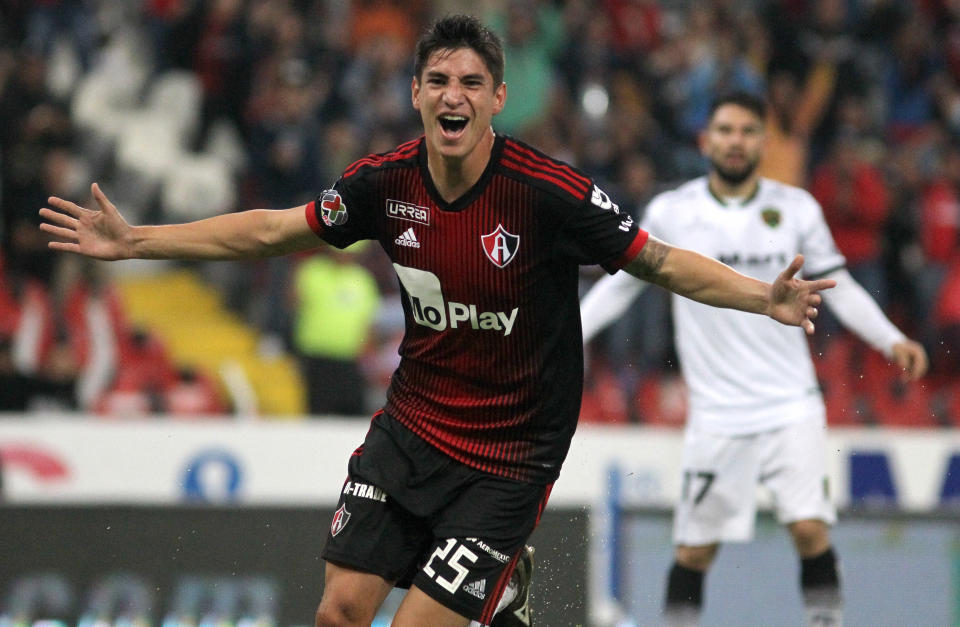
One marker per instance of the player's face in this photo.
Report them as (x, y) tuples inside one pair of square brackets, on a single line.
[(457, 100), (733, 143)]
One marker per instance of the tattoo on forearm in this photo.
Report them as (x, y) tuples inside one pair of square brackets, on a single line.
[(646, 265)]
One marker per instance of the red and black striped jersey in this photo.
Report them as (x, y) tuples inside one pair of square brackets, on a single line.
[(491, 363)]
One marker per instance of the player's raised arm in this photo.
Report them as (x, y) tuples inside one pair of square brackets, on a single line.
[(102, 233), (788, 300)]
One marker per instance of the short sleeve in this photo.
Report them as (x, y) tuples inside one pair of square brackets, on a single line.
[(821, 255), (597, 231), (341, 215)]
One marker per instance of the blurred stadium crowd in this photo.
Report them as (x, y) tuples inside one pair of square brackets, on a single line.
[(187, 108)]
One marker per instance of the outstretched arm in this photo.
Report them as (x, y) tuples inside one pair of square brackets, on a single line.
[(852, 305), (788, 300), (103, 233), (606, 301)]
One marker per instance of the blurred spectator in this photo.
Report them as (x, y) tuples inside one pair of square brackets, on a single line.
[(286, 141), (825, 33), (937, 234), (911, 67), (221, 59), (855, 203), (532, 34), (637, 25), (719, 65), (906, 174), (33, 126), (192, 394), (144, 375), (947, 321), (16, 388), (375, 86), (337, 301), (70, 21), (795, 109)]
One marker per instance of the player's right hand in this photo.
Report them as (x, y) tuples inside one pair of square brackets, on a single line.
[(794, 301), (911, 357), (101, 234)]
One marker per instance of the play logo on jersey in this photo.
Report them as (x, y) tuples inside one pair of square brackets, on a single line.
[(500, 246), (429, 308), (340, 519), (332, 210)]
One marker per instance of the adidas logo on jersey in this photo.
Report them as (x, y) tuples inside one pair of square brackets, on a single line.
[(408, 238), (477, 588)]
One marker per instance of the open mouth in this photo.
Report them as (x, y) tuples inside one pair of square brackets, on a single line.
[(453, 124)]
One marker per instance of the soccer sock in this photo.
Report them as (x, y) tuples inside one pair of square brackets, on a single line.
[(508, 596), (684, 597), (820, 583)]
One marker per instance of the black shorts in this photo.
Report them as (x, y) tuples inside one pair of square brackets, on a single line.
[(413, 515)]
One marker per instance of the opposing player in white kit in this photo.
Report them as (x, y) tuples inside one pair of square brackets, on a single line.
[(756, 414)]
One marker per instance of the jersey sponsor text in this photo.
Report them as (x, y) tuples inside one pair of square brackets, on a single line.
[(430, 309), (406, 211)]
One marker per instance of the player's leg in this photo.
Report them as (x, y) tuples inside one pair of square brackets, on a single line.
[(684, 601), (819, 573), (374, 543), (480, 544), (717, 504), (796, 465), (419, 609), (350, 597)]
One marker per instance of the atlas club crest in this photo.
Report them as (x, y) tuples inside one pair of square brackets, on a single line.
[(340, 519), (500, 246)]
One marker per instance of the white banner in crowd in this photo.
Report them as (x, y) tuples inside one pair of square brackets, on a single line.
[(160, 461)]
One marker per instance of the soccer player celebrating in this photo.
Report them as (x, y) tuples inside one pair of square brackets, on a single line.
[(756, 412), (486, 235)]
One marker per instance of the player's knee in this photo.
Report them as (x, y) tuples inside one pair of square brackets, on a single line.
[(811, 537), (695, 557), (341, 613)]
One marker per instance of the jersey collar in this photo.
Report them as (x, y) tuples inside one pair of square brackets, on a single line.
[(471, 194), (728, 205)]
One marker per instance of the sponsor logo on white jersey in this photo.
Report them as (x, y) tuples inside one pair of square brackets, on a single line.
[(406, 211), (477, 588), (430, 309), (408, 238)]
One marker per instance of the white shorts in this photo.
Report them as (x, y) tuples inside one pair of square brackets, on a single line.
[(718, 501)]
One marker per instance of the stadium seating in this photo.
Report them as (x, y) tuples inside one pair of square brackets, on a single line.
[(211, 339)]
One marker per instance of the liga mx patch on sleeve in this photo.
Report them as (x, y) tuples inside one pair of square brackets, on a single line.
[(333, 211)]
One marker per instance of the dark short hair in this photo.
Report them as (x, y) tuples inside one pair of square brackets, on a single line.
[(461, 31), (749, 101)]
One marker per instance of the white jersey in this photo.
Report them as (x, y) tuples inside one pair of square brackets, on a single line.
[(746, 373)]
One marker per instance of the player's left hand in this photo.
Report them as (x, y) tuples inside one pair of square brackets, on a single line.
[(911, 357), (794, 301)]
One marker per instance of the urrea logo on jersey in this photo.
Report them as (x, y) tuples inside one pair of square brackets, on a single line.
[(332, 209)]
